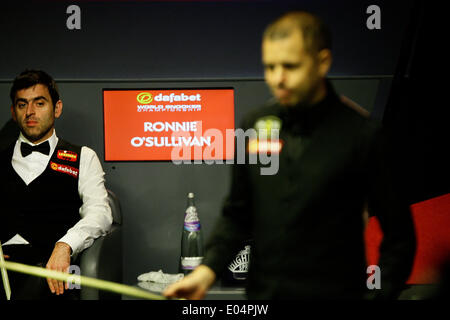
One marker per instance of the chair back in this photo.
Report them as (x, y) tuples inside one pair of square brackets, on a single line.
[(115, 207)]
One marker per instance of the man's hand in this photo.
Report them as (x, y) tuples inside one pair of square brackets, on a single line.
[(59, 261), (194, 286)]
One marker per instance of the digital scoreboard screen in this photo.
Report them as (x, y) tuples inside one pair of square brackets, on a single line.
[(168, 125)]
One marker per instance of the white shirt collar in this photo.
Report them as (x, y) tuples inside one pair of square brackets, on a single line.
[(30, 167)]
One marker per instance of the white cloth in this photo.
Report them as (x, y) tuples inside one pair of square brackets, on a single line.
[(153, 286), (95, 213), (17, 239), (160, 277), (158, 281)]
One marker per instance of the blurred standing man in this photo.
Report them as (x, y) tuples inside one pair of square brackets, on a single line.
[(53, 193), (306, 221)]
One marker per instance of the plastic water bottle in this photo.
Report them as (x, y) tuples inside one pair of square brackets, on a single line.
[(191, 239)]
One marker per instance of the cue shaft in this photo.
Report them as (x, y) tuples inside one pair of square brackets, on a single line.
[(82, 280), (5, 278)]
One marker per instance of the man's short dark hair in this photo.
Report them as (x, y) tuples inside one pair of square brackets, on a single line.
[(316, 33), (30, 78)]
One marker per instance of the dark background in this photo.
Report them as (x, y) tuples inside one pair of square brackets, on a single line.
[(182, 39), (181, 44)]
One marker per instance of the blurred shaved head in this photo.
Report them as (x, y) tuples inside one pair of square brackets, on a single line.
[(316, 34), (296, 53)]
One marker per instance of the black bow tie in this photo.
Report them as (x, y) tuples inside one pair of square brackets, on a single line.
[(26, 149)]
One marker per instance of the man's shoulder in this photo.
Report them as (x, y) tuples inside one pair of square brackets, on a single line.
[(62, 143), (74, 150), (6, 152), (355, 117), (353, 123)]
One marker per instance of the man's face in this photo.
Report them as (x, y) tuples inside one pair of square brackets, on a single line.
[(34, 112), (292, 73)]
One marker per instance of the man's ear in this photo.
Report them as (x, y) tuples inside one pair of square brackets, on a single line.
[(58, 108), (13, 113), (325, 61)]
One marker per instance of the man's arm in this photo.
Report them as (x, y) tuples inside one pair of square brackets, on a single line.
[(392, 210), (194, 286), (59, 261), (230, 231), (234, 226), (96, 218)]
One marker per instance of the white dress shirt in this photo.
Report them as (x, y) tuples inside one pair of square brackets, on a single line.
[(95, 213)]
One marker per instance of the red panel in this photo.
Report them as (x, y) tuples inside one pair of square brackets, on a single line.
[(432, 223), (163, 125)]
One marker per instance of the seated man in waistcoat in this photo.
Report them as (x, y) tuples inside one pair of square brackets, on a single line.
[(54, 201)]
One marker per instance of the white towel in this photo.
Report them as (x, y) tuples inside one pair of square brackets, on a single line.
[(17, 239), (160, 277)]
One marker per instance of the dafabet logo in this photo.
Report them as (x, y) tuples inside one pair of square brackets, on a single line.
[(144, 98)]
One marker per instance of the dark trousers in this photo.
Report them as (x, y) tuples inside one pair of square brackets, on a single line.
[(27, 287)]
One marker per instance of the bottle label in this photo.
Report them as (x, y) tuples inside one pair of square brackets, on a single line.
[(191, 221), (190, 263), (239, 266)]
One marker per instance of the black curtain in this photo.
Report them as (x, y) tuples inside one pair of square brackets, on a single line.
[(416, 113)]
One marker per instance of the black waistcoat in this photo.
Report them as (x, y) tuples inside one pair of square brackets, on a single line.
[(43, 211)]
